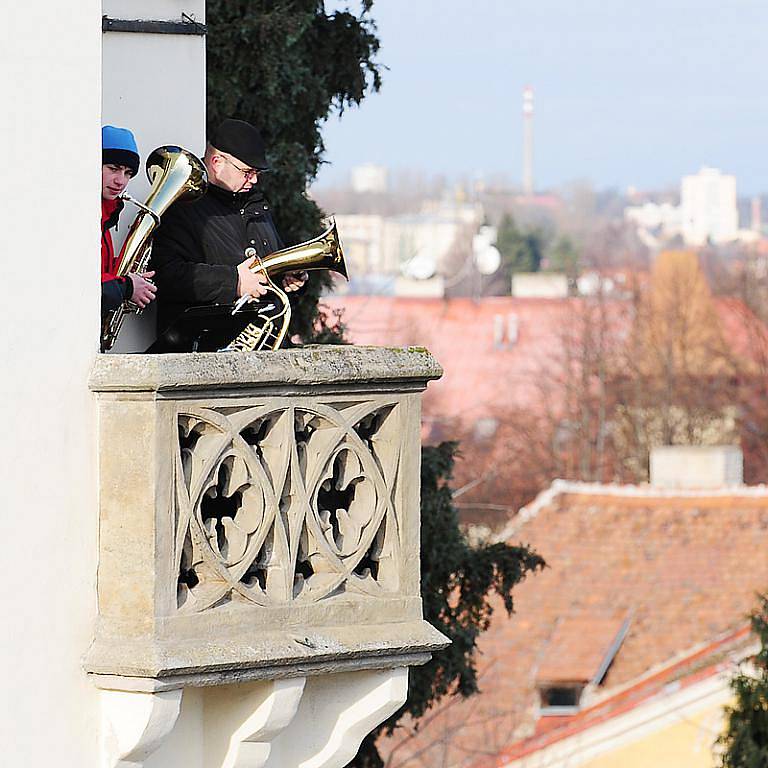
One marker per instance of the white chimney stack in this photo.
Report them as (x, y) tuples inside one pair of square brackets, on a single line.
[(696, 466)]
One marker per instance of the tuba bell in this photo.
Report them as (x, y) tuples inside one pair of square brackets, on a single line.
[(175, 174), (322, 252)]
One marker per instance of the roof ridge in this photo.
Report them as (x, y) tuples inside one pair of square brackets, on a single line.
[(560, 487)]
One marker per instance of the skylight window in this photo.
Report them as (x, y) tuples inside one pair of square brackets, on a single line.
[(580, 651), (560, 699)]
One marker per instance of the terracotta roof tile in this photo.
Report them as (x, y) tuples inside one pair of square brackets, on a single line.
[(685, 566), (568, 659)]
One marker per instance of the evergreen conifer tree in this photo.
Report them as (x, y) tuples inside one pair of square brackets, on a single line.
[(286, 66), (745, 741)]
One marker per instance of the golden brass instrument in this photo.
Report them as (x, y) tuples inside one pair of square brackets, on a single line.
[(323, 252), (175, 174)]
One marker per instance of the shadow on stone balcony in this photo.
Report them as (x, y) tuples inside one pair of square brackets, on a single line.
[(259, 516)]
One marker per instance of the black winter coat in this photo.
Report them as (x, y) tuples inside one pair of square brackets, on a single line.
[(199, 244)]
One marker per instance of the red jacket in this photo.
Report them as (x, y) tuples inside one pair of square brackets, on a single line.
[(110, 213), (114, 290)]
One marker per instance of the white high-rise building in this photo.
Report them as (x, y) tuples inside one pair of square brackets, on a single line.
[(528, 141), (708, 207)]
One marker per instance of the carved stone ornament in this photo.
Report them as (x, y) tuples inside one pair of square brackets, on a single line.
[(283, 503), (259, 515)]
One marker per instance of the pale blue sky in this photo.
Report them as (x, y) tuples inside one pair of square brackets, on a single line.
[(626, 92)]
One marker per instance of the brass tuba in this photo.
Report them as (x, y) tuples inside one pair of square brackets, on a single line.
[(323, 252), (175, 174)]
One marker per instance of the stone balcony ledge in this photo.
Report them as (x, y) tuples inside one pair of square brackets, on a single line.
[(259, 515), (307, 366)]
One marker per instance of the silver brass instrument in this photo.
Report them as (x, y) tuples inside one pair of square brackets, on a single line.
[(323, 252), (175, 174)]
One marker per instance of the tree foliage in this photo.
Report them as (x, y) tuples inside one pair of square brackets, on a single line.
[(663, 365), (745, 741), (675, 381), (457, 587), (563, 257), (521, 249), (285, 66)]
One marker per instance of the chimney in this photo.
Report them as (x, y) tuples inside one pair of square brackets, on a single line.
[(696, 466), (757, 219), (528, 141), (498, 331)]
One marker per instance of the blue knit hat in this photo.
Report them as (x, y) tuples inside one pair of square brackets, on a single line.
[(118, 147)]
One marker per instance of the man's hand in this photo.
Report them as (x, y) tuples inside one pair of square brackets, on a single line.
[(292, 281), (250, 283), (143, 289)]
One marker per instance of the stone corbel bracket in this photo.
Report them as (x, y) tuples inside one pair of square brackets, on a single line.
[(135, 725), (315, 723), (259, 516)]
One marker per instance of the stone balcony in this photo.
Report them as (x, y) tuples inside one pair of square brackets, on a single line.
[(259, 516)]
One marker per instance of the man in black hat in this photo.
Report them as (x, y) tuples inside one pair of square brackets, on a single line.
[(199, 250)]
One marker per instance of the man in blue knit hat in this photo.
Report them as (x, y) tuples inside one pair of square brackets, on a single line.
[(120, 163)]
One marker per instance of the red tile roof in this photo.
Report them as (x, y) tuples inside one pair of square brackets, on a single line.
[(568, 659), (713, 659), (481, 374), (686, 567)]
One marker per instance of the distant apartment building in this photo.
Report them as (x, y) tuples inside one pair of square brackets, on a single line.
[(707, 213), (379, 249), (708, 207), (663, 218), (365, 242), (369, 178)]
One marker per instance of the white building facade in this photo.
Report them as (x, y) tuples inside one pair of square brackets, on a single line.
[(396, 254), (138, 630), (664, 217), (154, 84)]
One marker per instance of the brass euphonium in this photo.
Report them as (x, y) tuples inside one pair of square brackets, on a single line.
[(175, 174), (323, 252)]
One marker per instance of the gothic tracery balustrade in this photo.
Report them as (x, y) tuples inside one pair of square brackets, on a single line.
[(281, 503), (259, 515)]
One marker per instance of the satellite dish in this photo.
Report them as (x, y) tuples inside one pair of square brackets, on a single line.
[(420, 267), (481, 241), (488, 231), (487, 256), (487, 260)]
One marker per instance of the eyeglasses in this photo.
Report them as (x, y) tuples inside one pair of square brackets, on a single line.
[(248, 173)]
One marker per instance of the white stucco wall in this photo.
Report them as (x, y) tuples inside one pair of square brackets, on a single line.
[(50, 88), (154, 84), (50, 713)]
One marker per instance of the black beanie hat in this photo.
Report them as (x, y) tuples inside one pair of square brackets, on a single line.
[(241, 140)]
